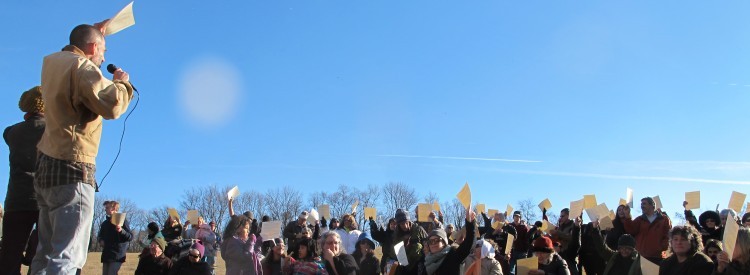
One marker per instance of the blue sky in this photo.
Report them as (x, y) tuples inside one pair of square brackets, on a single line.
[(600, 96)]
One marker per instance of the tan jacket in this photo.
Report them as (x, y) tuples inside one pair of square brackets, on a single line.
[(76, 96)]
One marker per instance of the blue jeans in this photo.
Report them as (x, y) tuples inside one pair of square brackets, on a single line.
[(66, 213)]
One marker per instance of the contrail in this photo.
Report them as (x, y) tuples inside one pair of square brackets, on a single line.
[(459, 158), (626, 177)]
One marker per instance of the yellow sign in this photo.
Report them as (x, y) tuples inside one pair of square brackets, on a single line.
[(693, 200), (423, 212), (589, 201), (545, 204), (371, 212), (464, 196), (736, 201), (480, 208)]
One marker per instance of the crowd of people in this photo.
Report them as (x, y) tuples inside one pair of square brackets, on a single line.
[(47, 219)]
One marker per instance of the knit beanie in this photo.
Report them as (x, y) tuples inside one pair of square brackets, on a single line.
[(31, 101), (543, 244), (402, 215), (198, 246), (153, 227), (626, 241), (440, 233), (160, 242)]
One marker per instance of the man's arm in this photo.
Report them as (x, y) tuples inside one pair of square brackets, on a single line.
[(102, 96)]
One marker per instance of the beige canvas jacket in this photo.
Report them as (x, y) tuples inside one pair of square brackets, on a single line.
[(76, 97)]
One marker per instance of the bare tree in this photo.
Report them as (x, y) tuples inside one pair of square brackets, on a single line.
[(283, 203), (368, 198), (454, 213), (318, 198), (528, 210), (431, 197), (398, 195), (342, 200), (252, 201), (210, 201)]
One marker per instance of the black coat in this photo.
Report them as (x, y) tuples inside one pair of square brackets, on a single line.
[(367, 266), (451, 265), (115, 243), (22, 138), (150, 265), (345, 265), (185, 267)]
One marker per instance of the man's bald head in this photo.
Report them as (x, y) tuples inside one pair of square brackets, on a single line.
[(84, 34)]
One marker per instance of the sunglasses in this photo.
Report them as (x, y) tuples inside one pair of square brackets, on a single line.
[(434, 241), (194, 256)]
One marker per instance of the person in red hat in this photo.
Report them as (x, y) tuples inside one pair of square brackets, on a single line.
[(550, 263)]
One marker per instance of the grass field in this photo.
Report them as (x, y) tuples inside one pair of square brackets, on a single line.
[(94, 265)]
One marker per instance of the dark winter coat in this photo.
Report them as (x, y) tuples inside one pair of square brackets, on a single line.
[(345, 265), (451, 265), (150, 265), (698, 264), (185, 267), (115, 243)]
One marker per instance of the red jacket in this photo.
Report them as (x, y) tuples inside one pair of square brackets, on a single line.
[(651, 238)]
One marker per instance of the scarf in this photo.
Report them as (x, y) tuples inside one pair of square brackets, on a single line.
[(434, 260)]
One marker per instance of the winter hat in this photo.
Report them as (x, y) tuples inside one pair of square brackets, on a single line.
[(153, 227), (517, 213), (366, 237), (31, 101), (626, 241), (402, 215), (333, 220), (709, 215), (160, 242), (543, 244), (440, 233), (198, 246), (746, 217), (303, 215)]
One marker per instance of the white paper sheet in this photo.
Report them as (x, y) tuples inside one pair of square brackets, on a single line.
[(403, 260), (233, 193), (629, 197), (122, 20), (648, 268), (271, 230), (314, 215)]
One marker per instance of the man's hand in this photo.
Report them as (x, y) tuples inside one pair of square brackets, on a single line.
[(102, 26), (118, 228), (122, 76)]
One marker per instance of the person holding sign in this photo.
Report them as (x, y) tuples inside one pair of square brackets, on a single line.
[(114, 239), (172, 229), (686, 249), (521, 242), (620, 261), (550, 263), (77, 97), (740, 262), (499, 232), (484, 250), (707, 223), (442, 258), (385, 237), (568, 233), (238, 249), (412, 235), (650, 230), (293, 230)]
